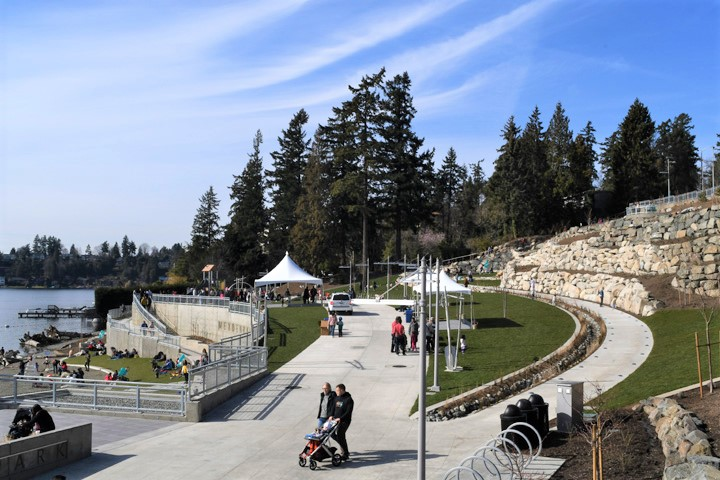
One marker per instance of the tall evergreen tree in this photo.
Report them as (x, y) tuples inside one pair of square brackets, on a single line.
[(450, 178), (245, 233), (582, 174), (352, 135), (285, 182), (629, 160), (558, 145), (532, 176), (405, 173), (676, 149), (468, 203), (312, 233), (206, 225), (503, 206)]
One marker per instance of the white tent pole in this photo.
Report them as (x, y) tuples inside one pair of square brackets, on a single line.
[(457, 345)]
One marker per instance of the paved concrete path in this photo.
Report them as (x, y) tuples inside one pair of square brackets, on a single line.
[(259, 433)]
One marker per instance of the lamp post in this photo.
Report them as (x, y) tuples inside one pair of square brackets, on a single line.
[(421, 373)]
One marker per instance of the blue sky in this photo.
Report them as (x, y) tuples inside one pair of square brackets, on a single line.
[(115, 117)]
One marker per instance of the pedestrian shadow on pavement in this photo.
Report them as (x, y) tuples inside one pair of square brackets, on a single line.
[(382, 457), (259, 400)]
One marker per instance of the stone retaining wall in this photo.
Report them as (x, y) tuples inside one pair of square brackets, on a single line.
[(584, 260), (687, 451)]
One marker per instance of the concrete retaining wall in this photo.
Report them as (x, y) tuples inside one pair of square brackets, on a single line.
[(31, 456), (146, 345)]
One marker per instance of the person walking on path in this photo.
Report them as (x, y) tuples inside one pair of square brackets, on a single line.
[(87, 362), (414, 330), (342, 412), (430, 335), (340, 326), (602, 296), (327, 404), (332, 321), (398, 332)]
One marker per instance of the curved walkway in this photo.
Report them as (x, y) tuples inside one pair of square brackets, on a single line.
[(259, 433)]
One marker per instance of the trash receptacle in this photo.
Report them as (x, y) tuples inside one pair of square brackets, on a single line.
[(408, 315), (512, 414), (543, 413), (531, 415)]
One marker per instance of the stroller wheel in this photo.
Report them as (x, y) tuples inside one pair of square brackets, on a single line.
[(313, 464), (336, 460), (302, 462)]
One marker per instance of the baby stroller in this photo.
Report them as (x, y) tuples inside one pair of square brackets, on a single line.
[(20, 426), (317, 448)]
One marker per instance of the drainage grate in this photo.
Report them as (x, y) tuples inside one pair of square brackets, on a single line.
[(399, 366), (292, 387)]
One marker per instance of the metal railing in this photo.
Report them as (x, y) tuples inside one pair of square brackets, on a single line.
[(234, 364), (134, 397), (650, 206), (149, 317), (164, 338)]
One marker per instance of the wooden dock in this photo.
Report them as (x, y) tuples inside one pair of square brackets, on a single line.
[(54, 312)]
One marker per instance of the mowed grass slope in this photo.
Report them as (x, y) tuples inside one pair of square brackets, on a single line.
[(672, 363), (500, 345), (290, 331)]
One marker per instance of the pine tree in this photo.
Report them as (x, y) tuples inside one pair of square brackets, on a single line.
[(312, 233), (531, 175), (582, 173), (629, 160), (558, 145), (676, 149), (405, 173), (450, 178), (206, 225), (244, 234), (352, 136), (501, 209), (285, 181)]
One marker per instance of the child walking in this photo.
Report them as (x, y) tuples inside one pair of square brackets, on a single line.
[(463, 345), (339, 326)]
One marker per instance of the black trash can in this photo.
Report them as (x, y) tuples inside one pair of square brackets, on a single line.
[(531, 414), (511, 415), (543, 413)]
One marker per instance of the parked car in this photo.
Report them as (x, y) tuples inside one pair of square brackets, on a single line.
[(340, 302)]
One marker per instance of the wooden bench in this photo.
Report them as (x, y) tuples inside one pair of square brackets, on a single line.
[(31, 456)]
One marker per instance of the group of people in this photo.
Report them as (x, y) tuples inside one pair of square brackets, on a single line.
[(398, 337), (335, 322), (336, 406), (309, 294)]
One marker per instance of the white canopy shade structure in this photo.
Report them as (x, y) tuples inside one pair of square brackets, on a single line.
[(287, 271), (447, 284)]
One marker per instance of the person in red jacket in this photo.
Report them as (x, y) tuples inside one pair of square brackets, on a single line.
[(398, 333)]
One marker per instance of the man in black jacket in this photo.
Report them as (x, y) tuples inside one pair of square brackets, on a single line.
[(327, 404), (342, 412)]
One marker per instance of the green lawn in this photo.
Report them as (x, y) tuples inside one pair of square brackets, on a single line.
[(672, 363), (292, 330), (500, 345), (139, 369)]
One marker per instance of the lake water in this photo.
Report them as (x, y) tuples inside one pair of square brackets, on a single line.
[(14, 300)]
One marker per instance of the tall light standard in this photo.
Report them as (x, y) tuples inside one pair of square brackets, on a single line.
[(422, 373), (668, 174)]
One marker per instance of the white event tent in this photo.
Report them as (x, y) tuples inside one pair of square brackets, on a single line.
[(287, 271)]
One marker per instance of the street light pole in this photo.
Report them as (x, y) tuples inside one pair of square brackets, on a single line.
[(421, 373)]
